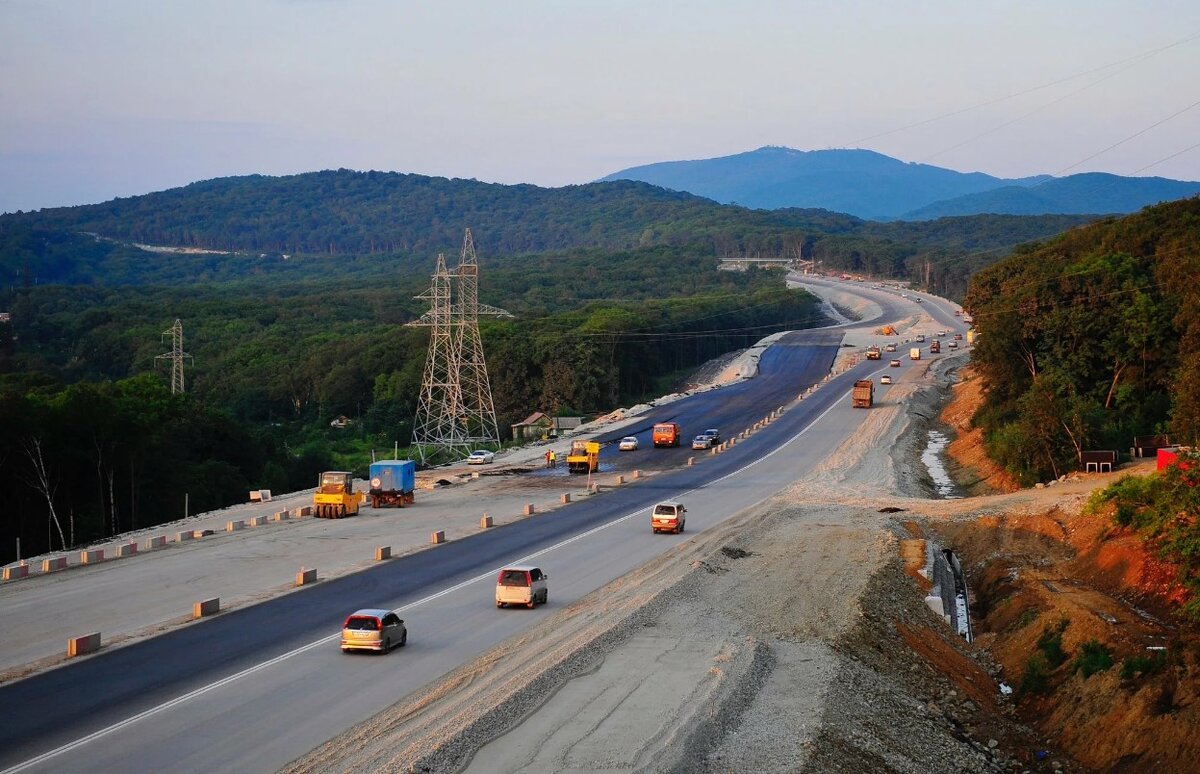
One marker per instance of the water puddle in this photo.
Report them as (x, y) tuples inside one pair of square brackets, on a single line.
[(932, 458)]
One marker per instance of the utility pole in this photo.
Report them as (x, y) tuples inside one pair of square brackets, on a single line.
[(176, 356)]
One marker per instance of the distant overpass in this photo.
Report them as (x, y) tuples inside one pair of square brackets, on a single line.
[(787, 264)]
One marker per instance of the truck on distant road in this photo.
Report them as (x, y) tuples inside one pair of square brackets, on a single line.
[(863, 395), (666, 434), (935, 347), (914, 353), (393, 483)]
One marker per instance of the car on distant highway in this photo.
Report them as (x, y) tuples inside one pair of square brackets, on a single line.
[(885, 379), (522, 584), (890, 347), (701, 442), (668, 517), (894, 364), (713, 434), (628, 443), (958, 337), (953, 345), (373, 629), (481, 457)]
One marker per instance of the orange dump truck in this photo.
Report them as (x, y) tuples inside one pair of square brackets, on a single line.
[(863, 395)]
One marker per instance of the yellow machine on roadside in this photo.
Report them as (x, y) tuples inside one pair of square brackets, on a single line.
[(584, 457), (335, 497)]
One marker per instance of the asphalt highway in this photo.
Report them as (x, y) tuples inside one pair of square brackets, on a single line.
[(253, 689)]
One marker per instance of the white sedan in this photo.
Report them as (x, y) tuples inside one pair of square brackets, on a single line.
[(628, 443), (481, 457), (885, 379)]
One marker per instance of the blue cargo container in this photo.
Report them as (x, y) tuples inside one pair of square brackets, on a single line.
[(392, 483)]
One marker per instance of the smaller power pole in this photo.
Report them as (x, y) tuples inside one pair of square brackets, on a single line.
[(176, 356)]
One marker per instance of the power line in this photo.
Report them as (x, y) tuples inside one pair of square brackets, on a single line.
[(1141, 56), (1167, 158), (1130, 137)]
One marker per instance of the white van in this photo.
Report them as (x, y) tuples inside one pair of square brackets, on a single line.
[(521, 584), (668, 517)]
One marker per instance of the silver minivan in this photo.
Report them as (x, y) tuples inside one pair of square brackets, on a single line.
[(521, 584)]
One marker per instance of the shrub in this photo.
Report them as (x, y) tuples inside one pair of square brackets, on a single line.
[(1027, 617), (1093, 657), (1143, 665), (1036, 679), (1050, 644)]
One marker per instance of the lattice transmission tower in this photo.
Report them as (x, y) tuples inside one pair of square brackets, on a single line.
[(455, 413), (176, 356)]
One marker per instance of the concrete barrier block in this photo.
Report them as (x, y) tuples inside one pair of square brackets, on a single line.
[(234, 526), (91, 556), (158, 541), (15, 571), (474, 474), (637, 474), (281, 516), (306, 576), (565, 498), (127, 549), (691, 461), (185, 535), (619, 480), (529, 509), (302, 511), (257, 521), (256, 495), (438, 537), (87, 643), (485, 522), (206, 607), (199, 533), (383, 552), (54, 564)]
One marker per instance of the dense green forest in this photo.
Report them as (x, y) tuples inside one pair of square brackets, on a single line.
[(364, 223), (294, 293), (1089, 339)]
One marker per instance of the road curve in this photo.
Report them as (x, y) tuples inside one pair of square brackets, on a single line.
[(255, 688)]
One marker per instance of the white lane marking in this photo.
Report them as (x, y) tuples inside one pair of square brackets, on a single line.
[(449, 590)]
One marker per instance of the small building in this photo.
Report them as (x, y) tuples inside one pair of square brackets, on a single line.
[(534, 427), (5, 317), (1098, 461), (340, 421), (539, 425), (1148, 445)]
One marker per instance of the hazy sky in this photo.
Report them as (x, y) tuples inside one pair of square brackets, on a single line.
[(121, 97)]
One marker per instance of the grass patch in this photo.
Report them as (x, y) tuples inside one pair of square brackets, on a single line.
[(1093, 657), (1027, 617)]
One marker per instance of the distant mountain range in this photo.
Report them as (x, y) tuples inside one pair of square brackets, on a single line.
[(877, 187)]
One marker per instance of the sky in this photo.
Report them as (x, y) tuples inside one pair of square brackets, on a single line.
[(123, 97)]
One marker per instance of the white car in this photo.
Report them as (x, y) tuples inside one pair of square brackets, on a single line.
[(481, 457), (628, 443), (885, 379), (701, 442)]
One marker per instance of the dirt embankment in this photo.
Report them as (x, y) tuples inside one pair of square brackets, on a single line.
[(1080, 618), (973, 470)]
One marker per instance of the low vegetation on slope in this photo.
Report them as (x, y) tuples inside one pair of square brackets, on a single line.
[(1088, 340)]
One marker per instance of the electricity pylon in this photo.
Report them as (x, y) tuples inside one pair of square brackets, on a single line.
[(435, 426), (478, 417), (455, 412), (176, 356)]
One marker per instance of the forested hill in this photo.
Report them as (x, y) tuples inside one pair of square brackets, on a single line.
[(1090, 339), (347, 212), (374, 222)]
